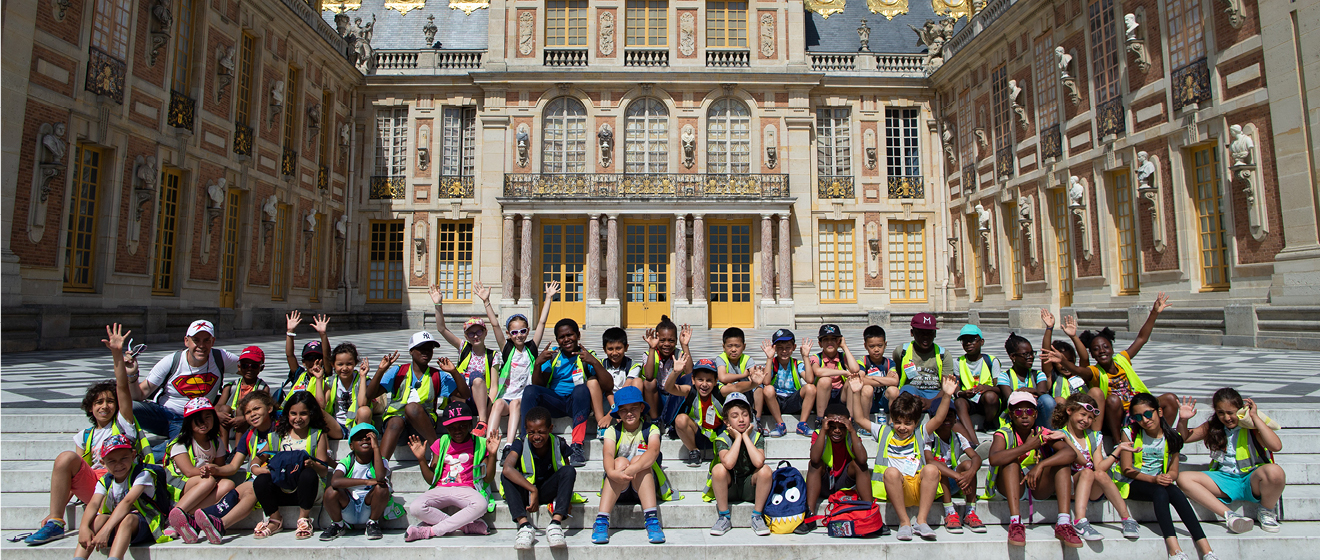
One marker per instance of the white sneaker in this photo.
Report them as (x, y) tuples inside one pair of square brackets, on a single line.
[(526, 536), (554, 535), (1179, 556), (1237, 523), (1269, 520)]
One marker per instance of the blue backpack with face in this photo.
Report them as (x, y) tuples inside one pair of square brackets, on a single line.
[(787, 506)]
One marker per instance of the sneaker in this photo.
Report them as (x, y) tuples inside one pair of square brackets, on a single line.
[(417, 533), (373, 531), (51, 531), (671, 433), (554, 536), (1086, 531), (1130, 529), (526, 535), (578, 459), (479, 430), (971, 521), (953, 524), (1017, 534), (183, 526), (758, 526), (1210, 556), (693, 458), (600, 531), (654, 533), (721, 526), (1269, 520), (212, 526), (803, 429), (1237, 523), (1179, 556), (334, 531), (1067, 535), (904, 533), (779, 430), (925, 532), (504, 452), (805, 527), (477, 527)]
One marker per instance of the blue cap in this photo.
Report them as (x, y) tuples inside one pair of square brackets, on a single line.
[(626, 396), (782, 335), (970, 330), (363, 427), (704, 364)]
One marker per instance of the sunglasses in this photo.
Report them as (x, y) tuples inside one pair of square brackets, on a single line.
[(135, 349), (1093, 410), (1020, 412), (1147, 415), (1031, 354), (516, 332)]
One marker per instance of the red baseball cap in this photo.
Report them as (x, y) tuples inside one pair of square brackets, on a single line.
[(253, 353), (924, 321)]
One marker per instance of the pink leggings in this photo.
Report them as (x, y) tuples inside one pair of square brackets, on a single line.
[(427, 508)]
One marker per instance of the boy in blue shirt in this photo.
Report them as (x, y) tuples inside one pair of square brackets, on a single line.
[(790, 387), (559, 383)]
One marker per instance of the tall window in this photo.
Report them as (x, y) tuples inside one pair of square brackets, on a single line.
[(728, 137), (167, 227), (181, 77), (1125, 223), (279, 269), (385, 277), (907, 261), (327, 125), (1186, 32), (967, 141), (999, 93), (978, 281), (564, 137), (1063, 246), (833, 149), (453, 267), (646, 137), (80, 241), (318, 270), (229, 248), (392, 141), (246, 57), (902, 147), (1047, 93), (292, 94), (726, 24), (837, 280), (566, 23), (458, 145), (1014, 232), (648, 23), (110, 27), (1210, 218), (1104, 50)]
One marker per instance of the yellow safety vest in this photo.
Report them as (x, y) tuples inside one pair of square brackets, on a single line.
[(1247, 454), (1138, 447), (144, 506), (664, 490), (907, 363), (1011, 440), (142, 446), (332, 399), (709, 495), (883, 459), (965, 373), (527, 465), (465, 356), (406, 384), (1125, 366), (478, 467)]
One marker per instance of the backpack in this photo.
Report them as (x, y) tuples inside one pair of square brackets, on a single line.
[(284, 465), (787, 506), (847, 515)]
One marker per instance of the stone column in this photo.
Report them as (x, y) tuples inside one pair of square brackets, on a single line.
[(526, 265), (680, 259), (612, 259), (785, 264), (593, 259), (767, 260), (698, 259), (507, 264)]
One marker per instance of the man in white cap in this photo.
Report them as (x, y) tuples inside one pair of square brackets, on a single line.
[(196, 371)]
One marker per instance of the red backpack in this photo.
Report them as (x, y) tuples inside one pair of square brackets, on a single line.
[(847, 515)]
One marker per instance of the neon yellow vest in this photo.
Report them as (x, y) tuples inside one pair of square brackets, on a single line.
[(478, 467), (1010, 441), (664, 491), (143, 506), (904, 363), (1125, 366), (965, 373), (1138, 444)]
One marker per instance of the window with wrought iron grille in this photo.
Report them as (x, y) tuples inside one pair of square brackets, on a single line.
[(1186, 32), (833, 148), (999, 99), (80, 237), (646, 137), (111, 23), (327, 126), (181, 77), (647, 23), (564, 137), (453, 267), (167, 229), (385, 275), (907, 261), (243, 91), (902, 144), (292, 94), (566, 23), (837, 283), (1104, 50), (391, 141), (1047, 93), (458, 143), (726, 24), (728, 137), (967, 136)]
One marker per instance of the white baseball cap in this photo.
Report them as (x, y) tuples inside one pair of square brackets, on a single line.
[(201, 325), (421, 338)]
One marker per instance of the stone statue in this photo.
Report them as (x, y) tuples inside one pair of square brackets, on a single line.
[(428, 30), (277, 94), (341, 226), (1130, 26), (146, 172), (1024, 209), (314, 117), (163, 14), (341, 24), (689, 138), (216, 192), (982, 218), (1076, 192), (524, 141), (933, 35), (311, 221), (226, 56), (1145, 170), (365, 58), (54, 145), (345, 134), (1063, 60), (1241, 147), (270, 208), (864, 36), (1013, 92), (606, 139)]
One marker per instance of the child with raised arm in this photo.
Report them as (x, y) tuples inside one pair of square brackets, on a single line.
[(788, 386), (516, 359), (459, 470), (660, 363), (1113, 373), (831, 368), (1091, 469), (1023, 453), (1242, 467), (1062, 382), (476, 362), (301, 377), (632, 467), (416, 391), (359, 488), (837, 462)]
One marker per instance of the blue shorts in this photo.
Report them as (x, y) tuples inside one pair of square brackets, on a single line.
[(1236, 486), (357, 512), (932, 394)]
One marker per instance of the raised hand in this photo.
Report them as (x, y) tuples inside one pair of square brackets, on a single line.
[(364, 366), (1070, 325), (1050, 356), (855, 382), (652, 339), (114, 337), (1250, 405), (949, 385), (417, 446), (319, 323), (551, 288), (437, 297), (292, 320), (685, 335), (481, 291), (387, 360), (806, 349), (1161, 303), (1047, 318), (445, 365), (769, 349), (1187, 408), (317, 370), (756, 374), (548, 353)]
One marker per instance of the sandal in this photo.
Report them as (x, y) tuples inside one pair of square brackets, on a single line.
[(304, 530), (479, 430), (267, 528)]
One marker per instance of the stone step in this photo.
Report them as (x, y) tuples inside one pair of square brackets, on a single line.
[(698, 544)]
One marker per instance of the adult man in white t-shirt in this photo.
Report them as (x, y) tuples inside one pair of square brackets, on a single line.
[(197, 371)]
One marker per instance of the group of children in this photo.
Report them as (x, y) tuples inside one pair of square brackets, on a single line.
[(258, 447)]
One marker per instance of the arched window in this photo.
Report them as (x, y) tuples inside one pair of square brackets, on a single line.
[(564, 137), (728, 137), (646, 137)]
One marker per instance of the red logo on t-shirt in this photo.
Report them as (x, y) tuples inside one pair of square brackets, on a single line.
[(195, 384)]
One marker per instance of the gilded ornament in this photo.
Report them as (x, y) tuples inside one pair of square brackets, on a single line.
[(826, 8), (888, 8), (468, 7)]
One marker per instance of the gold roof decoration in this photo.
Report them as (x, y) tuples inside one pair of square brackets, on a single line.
[(954, 8), (889, 8), (825, 8), (341, 7), (404, 6), (468, 7)]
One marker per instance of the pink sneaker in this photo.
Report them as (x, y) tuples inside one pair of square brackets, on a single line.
[(477, 527), (417, 533)]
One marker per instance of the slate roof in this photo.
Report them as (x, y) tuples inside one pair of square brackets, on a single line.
[(839, 32), (454, 29)]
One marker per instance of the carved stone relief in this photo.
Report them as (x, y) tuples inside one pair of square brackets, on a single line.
[(606, 29), (526, 27), (767, 34), (687, 33)]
